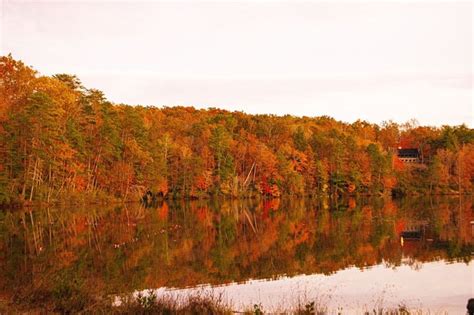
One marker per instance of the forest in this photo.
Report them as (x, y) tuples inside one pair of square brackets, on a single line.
[(62, 141)]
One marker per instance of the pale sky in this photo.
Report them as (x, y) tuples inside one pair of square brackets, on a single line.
[(369, 60)]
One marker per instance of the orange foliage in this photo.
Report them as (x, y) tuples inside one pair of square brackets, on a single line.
[(61, 137), (397, 164), (163, 211)]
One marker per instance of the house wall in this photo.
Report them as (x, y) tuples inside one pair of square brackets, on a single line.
[(409, 160)]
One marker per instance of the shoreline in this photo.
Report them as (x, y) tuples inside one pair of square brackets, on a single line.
[(110, 200)]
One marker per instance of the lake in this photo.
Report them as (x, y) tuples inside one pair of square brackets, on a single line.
[(350, 255)]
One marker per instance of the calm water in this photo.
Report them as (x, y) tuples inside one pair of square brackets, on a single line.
[(354, 254)]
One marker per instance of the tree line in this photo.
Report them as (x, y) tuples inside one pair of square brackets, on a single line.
[(59, 139)]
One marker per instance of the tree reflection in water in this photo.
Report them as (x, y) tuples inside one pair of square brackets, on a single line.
[(101, 250)]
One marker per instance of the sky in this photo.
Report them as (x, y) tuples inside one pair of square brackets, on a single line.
[(375, 61)]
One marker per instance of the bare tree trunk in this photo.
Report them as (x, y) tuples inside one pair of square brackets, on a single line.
[(92, 174), (33, 230), (248, 175), (25, 176), (50, 230), (126, 188), (33, 182)]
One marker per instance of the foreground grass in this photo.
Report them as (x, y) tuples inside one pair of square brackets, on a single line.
[(193, 304), (197, 303), (206, 303)]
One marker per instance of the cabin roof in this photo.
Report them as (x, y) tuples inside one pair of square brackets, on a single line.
[(408, 152)]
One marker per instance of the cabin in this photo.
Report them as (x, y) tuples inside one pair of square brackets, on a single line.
[(409, 155)]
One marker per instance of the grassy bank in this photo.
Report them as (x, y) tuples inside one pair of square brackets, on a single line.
[(199, 303), (207, 303)]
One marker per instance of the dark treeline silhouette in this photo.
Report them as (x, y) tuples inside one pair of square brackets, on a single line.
[(60, 140)]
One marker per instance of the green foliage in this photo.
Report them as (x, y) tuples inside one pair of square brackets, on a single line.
[(219, 142), (299, 139), (452, 138)]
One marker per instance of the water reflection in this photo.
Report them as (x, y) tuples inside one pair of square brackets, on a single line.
[(103, 250)]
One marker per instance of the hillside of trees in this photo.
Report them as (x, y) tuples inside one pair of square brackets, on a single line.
[(60, 140)]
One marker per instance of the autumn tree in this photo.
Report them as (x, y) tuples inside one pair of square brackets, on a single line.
[(59, 139)]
